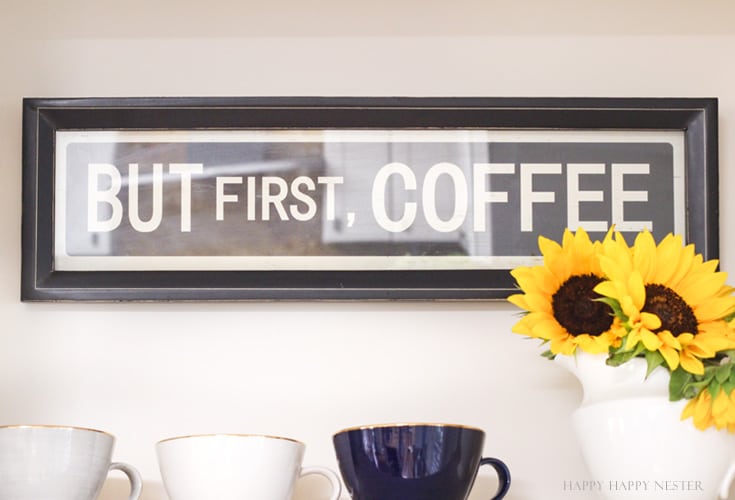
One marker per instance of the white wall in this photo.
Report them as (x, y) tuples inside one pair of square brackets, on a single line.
[(148, 371)]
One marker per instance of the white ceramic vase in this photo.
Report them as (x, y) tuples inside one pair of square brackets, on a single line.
[(634, 442)]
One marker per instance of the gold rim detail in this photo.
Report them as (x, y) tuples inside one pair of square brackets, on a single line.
[(224, 435)]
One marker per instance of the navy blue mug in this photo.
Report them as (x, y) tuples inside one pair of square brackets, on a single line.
[(414, 462)]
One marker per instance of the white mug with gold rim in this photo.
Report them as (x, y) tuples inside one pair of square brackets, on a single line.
[(235, 467), (39, 462)]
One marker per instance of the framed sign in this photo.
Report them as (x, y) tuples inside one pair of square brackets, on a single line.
[(345, 198)]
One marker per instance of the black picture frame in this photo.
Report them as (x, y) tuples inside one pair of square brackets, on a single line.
[(43, 118)]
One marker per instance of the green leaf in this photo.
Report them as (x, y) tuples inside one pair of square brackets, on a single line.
[(685, 385), (692, 389), (680, 378), (714, 388), (548, 354), (722, 374), (620, 358), (615, 306), (654, 360), (710, 371)]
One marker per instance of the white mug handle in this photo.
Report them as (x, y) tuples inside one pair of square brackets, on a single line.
[(725, 488), (331, 477), (136, 482)]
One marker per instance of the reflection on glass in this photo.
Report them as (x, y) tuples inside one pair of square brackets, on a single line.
[(399, 194)]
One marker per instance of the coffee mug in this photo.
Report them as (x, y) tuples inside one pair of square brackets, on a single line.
[(60, 463), (414, 461), (235, 467)]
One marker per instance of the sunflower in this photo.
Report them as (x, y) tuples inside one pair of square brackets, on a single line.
[(560, 300), (670, 300), (706, 411)]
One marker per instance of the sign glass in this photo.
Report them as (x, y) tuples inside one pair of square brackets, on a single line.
[(353, 199)]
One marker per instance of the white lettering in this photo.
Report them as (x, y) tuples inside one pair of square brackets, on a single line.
[(481, 197), (379, 200), (304, 198), (107, 196), (460, 197), (133, 207), (575, 195), (528, 196), (185, 170), (223, 198), (251, 199), (329, 196), (620, 196), (273, 199)]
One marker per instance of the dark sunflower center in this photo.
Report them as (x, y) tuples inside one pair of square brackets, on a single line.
[(675, 314), (575, 307)]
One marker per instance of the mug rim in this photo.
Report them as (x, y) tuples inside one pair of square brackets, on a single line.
[(55, 427), (228, 435), (406, 424)]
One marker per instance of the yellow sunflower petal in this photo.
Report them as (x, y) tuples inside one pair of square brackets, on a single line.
[(538, 302), (632, 338), (628, 306), (548, 330), (563, 346), (688, 410), (536, 279), (703, 411), (715, 308), (670, 355), (644, 253), (525, 325), (691, 364), (686, 257), (608, 289), (637, 289), (669, 340), (720, 404), (706, 345), (593, 344), (616, 259), (549, 248), (544, 280), (667, 257), (699, 289), (650, 340), (650, 321), (519, 300), (723, 412)]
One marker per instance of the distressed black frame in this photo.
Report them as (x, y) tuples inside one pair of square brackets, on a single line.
[(42, 118)]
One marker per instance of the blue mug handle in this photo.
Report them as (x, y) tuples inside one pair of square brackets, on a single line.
[(503, 476)]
